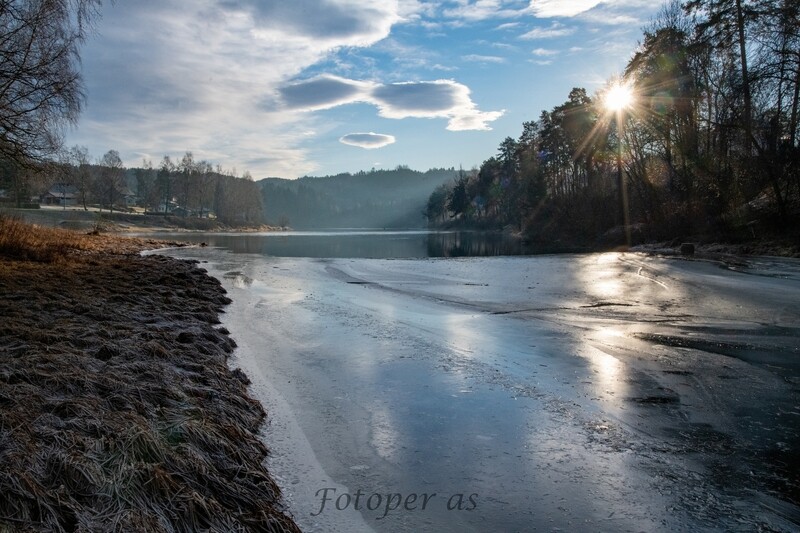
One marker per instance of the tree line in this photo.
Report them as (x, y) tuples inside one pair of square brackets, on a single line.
[(184, 187), (197, 188), (707, 145)]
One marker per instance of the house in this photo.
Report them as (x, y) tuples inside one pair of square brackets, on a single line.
[(61, 194), (127, 195)]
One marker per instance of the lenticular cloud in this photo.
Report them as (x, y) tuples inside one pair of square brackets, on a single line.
[(424, 99), (369, 141)]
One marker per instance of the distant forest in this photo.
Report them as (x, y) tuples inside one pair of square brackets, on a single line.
[(708, 144), (374, 199)]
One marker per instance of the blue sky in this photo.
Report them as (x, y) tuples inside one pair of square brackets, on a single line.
[(312, 87)]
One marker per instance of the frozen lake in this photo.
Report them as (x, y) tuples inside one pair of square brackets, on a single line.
[(602, 392)]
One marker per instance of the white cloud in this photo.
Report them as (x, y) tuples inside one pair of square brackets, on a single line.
[(477, 58), (544, 52), (423, 99), (556, 29), (610, 19), (369, 141), (414, 10), (561, 8), (473, 121), (475, 10)]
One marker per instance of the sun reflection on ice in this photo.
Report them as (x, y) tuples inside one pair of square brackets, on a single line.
[(459, 334), (601, 276), (608, 371), (385, 437)]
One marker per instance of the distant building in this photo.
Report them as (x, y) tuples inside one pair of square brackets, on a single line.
[(60, 194), (166, 208), (128, 196)]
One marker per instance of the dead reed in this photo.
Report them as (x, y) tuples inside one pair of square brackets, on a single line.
[(27, 242)]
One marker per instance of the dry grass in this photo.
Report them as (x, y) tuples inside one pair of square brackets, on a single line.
[(19, 240), (26, 242), (118, 411)]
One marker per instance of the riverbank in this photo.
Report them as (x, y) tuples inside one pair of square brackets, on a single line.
[(117, 407)]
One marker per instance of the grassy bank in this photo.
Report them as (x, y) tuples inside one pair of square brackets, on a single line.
[(78, 219), (118, 411)]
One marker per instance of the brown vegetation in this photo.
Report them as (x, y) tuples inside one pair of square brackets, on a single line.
[(118, 411), (26, 242)]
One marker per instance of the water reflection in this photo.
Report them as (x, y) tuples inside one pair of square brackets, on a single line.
[(368, 244), (475, 244)]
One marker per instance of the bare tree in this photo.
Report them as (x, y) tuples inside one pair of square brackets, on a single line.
[(79, 158), (110, 180), (164, 184), (40, 81), (203, 187)]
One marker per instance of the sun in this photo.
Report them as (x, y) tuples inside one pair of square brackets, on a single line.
[(619, 96)]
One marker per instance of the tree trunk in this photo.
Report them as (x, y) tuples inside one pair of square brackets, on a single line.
[(793, 120), (748, 101)]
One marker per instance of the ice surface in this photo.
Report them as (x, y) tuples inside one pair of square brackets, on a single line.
[(583, 392)]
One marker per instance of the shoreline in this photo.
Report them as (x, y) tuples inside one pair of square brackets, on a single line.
[(117, 403), (294, 464)]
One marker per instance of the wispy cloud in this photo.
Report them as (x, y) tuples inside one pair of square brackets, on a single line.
[(544, 52), (609, 18), (369, 141), (556, 29), (424, 99), (475, 10), (477, 58)]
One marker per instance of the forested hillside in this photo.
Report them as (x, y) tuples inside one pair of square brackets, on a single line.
[(700, 137), (375, 199)]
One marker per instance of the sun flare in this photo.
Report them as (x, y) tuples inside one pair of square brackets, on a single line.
[(619, 96)]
